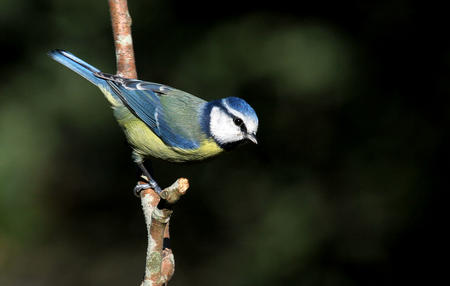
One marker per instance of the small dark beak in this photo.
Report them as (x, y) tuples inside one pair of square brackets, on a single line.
[(252, 138)]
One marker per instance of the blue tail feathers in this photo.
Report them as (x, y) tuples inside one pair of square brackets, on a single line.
[(77, 65)]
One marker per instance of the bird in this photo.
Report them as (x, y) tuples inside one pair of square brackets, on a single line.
[(167, 123)]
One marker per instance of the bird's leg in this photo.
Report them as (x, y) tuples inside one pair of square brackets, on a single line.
[(152, 184)]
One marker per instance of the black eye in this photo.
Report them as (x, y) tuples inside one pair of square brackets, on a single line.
[(238, 121)]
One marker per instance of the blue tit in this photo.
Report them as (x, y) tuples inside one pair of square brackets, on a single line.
[(167, 123)]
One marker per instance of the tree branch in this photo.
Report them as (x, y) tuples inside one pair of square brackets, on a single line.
[(160, 263), (121, 24)]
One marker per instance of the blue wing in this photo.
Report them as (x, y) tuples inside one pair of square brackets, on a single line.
[(173, 115)]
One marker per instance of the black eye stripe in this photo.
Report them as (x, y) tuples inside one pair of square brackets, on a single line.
[(243, 128), (236, 120), (240, 123)]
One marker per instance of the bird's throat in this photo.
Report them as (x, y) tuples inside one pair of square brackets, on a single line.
[(232, 145)]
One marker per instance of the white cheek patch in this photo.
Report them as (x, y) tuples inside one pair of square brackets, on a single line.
[(223, 128)]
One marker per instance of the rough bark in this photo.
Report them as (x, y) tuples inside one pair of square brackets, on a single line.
[(160, 264), (123, 41)]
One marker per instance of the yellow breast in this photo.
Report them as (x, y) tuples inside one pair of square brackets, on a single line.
[(146, 143)]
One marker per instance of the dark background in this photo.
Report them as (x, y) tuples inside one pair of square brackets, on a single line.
[(346, 187)]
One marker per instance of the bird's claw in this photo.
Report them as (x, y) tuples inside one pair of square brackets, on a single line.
[(140, 187)]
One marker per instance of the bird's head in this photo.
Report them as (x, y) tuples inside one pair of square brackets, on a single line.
[(232, 121)]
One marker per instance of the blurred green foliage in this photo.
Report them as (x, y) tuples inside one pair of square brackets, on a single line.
[(344, 188)]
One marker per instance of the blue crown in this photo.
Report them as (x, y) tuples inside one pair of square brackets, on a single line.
[(242, 106)]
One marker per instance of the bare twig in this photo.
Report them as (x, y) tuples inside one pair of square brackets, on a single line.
[(121, 24), (160, 263), (173, 193)]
